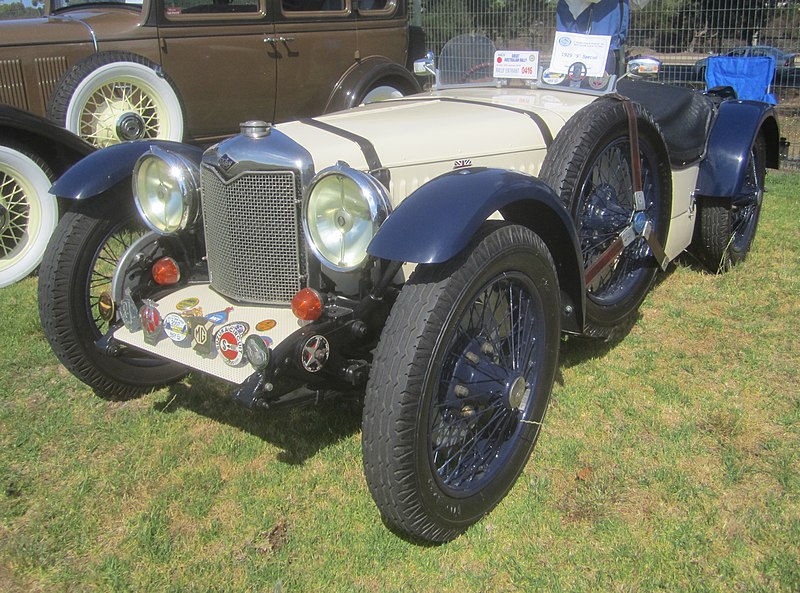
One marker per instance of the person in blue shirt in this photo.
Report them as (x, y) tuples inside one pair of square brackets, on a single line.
[(605, 17)]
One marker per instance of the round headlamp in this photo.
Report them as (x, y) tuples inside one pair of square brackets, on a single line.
[(343, 211), (166, 190)]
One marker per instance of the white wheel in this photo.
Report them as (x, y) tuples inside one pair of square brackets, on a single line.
[(381, 93), (116, 96), (28, 214)]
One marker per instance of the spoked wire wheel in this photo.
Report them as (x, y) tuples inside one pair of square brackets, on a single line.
[(460, 383), (28, 213), (483, 400), (589, 167), (115, 96), (727, 226), (77, 270), (604, 208), (109, 104)]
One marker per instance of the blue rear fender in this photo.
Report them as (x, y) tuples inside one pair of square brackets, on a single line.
[(105, 168), (438, 220), (737, 124)]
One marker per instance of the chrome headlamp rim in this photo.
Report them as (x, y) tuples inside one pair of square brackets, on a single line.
[(188, 179), (374, 193)]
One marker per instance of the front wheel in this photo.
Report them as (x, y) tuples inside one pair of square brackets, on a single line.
[(28, 212), (460, 383), (77, 269)]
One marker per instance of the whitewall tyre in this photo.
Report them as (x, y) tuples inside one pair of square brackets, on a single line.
[(28, 213), (114, 97)]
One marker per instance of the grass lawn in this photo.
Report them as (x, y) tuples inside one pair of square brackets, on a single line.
[(669, 461)]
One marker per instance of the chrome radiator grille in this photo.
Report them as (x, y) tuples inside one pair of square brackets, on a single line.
[(254, 239)]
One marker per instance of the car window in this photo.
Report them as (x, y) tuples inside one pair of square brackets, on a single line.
[(314, 5), (178, 8), (375, 5), (59, 4)]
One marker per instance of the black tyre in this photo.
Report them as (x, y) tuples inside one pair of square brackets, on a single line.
[(115, 96), (77, 268), (460, 383), (726, 227), (589, 167)]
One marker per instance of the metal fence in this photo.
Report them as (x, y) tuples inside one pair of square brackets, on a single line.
[(678, 32)]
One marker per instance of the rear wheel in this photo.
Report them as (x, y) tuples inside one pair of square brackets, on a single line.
[(460, 383), (28, 212), (596, 186), (77, 269), (727, 227)]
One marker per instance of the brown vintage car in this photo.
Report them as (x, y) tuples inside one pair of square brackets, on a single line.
[(195, 69)]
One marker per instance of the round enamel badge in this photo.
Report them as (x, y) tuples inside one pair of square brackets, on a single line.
[(187, 304), (176, 327), (266, 325), (230, 342)]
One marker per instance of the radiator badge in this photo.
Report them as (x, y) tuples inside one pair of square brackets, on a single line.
[(230, 342), (266, 325), (201, 334), (176, 327), (219, 316), (462, 163), (129, 313), (151, 322), (187, 304), (226, 162)]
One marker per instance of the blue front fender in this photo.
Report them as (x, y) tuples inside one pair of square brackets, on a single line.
[(723, 170), (105, 168), (438, 220)]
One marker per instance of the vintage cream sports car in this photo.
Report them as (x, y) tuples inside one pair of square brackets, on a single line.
[(431, 249)]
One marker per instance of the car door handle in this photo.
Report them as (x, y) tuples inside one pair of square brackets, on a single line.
[(275, 40)]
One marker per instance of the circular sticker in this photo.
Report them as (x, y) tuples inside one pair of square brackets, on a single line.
[(549, 77), (266, 325), (230, 342), (187, 304), (176, 327)]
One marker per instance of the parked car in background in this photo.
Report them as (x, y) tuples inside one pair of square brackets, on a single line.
[(33, 152), (193, 69), (783, 60), (428, 249)]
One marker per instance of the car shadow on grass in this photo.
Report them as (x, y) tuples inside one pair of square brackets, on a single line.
[(300, 432)]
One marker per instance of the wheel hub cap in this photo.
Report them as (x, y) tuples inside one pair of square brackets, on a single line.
[(516, 392), (130, 126), (5, 219)]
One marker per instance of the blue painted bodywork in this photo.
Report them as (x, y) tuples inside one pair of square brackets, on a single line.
[(722, 172), (105, 168), (438, 220)]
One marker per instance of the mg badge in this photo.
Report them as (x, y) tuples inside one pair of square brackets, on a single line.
[(176, 328), (151, 322), (226, 162), (130, 313), (230, 342), (201, 334)]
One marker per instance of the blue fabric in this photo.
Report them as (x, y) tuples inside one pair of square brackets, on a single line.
[(750, 77), (607, 17)]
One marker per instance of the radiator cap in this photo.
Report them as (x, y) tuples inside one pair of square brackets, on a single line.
[(255, 128)]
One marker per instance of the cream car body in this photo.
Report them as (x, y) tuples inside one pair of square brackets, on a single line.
[(430, 250)]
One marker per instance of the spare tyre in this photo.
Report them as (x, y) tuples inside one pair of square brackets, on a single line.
[(116, 96), (589, 167)]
